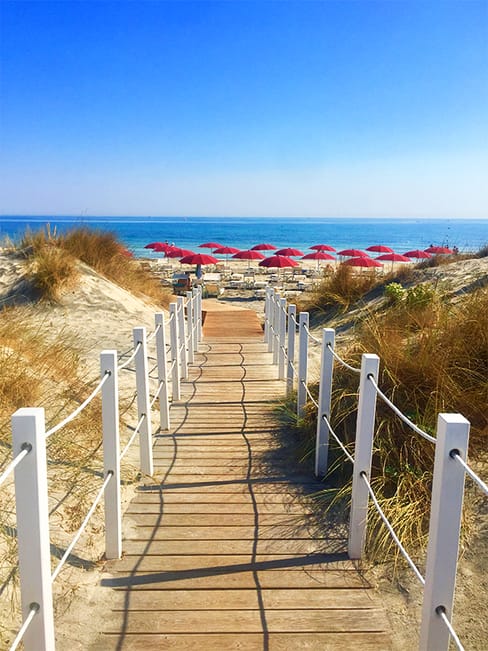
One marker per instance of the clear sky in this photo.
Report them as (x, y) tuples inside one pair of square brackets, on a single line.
[(313, 108)]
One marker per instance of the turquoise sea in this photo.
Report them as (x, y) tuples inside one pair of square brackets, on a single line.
[(189, 232)]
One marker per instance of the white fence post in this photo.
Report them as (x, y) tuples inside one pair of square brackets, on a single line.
[(161, 356), (31, 499), (267, 301), (302, 362), (143, 402), (271, 315), (290, 349), (276, 328), (189, 321), (362, 455), (182, 337), (194, 329), (111, 454), (325, 395), (199, 315), (282, 338), (444, 529), (175, 350)]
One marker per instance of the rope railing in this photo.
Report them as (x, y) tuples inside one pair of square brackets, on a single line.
[(311, 336), (79, 409), (400, 414), (337, 439), (153, 333), (307, 390), (441, 611), (128, 361), (33, 610), (82, 527), (14, 463), (158, 391), (391, 530), (470, 472), (133, 436), (341, 361)]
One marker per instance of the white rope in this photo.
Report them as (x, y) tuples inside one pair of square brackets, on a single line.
[(109, 476), (391, 530), (344, 449), (441, 611), (131, 440), (81, 407), (291, 316), (470, 472), (158, 391), (171, 317), (34, 609), (172, 365), (309, 394), (126, 363), (153, 334), (400, 415), (341, 361), (317, 341), (14, 463), (293, 368)]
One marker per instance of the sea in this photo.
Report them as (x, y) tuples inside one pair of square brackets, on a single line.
[(401, 234)]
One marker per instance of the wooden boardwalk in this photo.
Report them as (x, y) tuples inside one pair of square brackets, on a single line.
[(223, 551)]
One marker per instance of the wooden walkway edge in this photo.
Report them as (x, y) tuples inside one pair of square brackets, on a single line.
[(221, 550)]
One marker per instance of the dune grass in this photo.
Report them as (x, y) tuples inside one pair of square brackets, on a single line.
[(52, 263), (434, 357)]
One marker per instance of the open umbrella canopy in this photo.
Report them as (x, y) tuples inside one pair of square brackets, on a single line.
[(379, 248), (264, 247), (322, 247), (417, 253), (356, 253), (152, 245), (278, 261), (210, 245), (176, 252), (198, 258), (394, 257), (225, 250), (443, 250), (362, 261), (289, 251), (161, 247), (249, 255), (318, 255)]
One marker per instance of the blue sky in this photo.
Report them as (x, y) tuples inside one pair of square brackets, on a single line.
[(286, 108)]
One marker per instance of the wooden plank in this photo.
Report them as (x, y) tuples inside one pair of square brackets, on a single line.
[(240, 546), (230, 520), (215, 509)]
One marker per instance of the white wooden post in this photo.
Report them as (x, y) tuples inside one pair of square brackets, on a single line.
[(182, 337), (200, 315), (281, 340), (290, 349), (303, 320), (143, 402), (189, 322), (161, 356), (325, 395), (111, 454), (175, 350), (445, 525), (363, 454), (271, 314), (267, 300), (194, 329), (276, 328), (31, 500)]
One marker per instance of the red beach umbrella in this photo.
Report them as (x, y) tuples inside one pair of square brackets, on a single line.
[(318, 255), (394, 257), (354, 253), (210, 245), (417, 253), (152, 245), (379, 248), (225, 250), (161, 247), (264, 247), (249, 255), (322, 247), (176, 252), (198, 258), (278, 261), (362, 261), (289, 251), (443, 250)]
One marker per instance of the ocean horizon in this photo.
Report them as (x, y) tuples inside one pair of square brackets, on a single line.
[(401, 234)]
